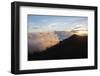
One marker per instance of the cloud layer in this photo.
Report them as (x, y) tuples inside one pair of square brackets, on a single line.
[(40, 41)]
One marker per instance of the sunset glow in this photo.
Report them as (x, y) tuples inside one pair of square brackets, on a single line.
[(80, 30), (81, 33)]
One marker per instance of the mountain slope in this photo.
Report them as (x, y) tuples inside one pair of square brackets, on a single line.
[(71, 48)]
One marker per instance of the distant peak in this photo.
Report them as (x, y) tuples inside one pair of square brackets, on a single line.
[(77, 36)]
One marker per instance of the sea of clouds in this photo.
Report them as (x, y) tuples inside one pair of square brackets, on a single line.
[(40, 41)]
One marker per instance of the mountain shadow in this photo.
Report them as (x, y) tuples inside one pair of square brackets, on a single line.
[(74, 47)]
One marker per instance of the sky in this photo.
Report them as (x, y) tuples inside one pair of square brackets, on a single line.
[(43, 23)]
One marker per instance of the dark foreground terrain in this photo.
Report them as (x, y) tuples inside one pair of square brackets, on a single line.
[(74, 47)]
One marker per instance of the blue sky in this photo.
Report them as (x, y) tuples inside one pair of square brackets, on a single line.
[(42, 23)]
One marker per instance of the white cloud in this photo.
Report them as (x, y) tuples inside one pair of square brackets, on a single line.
[(40, 41)]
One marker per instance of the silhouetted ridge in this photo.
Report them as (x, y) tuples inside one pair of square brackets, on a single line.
[(77, 37), (72, 48)]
